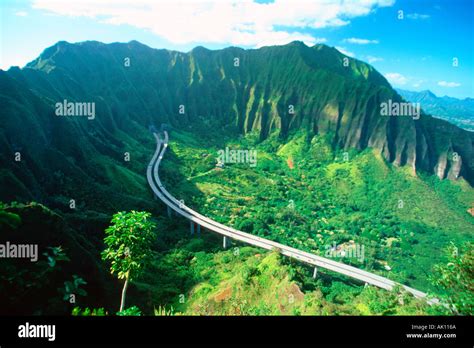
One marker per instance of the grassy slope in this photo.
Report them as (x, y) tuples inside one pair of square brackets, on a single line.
[(193, 279), (250, 283)]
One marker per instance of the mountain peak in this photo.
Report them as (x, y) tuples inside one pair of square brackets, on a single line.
[(200, 49), (427, 92), (297, 43)]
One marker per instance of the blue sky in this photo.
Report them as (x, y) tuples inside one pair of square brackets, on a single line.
[(414, 53)]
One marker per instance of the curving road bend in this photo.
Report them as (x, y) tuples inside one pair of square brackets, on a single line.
[(315, 260)]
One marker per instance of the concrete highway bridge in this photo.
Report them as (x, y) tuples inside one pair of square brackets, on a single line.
[(197, 221)]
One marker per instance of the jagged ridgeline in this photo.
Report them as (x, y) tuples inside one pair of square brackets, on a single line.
[(232, 91)]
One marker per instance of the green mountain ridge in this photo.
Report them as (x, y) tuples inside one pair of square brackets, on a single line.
[(328, 98)]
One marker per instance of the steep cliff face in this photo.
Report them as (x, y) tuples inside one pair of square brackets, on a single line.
[(278, 88)]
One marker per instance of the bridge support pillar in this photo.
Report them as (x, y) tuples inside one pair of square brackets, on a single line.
[(226, 242), (191, 225), (169, 212), (199, 229), (315, 272)]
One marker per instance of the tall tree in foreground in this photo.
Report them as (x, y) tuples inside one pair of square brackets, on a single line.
[(128, 240), (456, 279)]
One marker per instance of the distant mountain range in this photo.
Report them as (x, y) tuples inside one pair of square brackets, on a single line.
[(457, 111)]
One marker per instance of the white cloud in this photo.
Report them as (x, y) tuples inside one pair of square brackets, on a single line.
[(396, 78), (344, 51), (354, 40), (372, 59), (417, 16), (448, 84), (21, 14), (237, 22), (418, 83)]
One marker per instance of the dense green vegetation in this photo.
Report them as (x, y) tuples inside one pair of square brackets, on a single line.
[(62, 275), (250, 283), (191, 276), (456, 279), (403, 221)]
